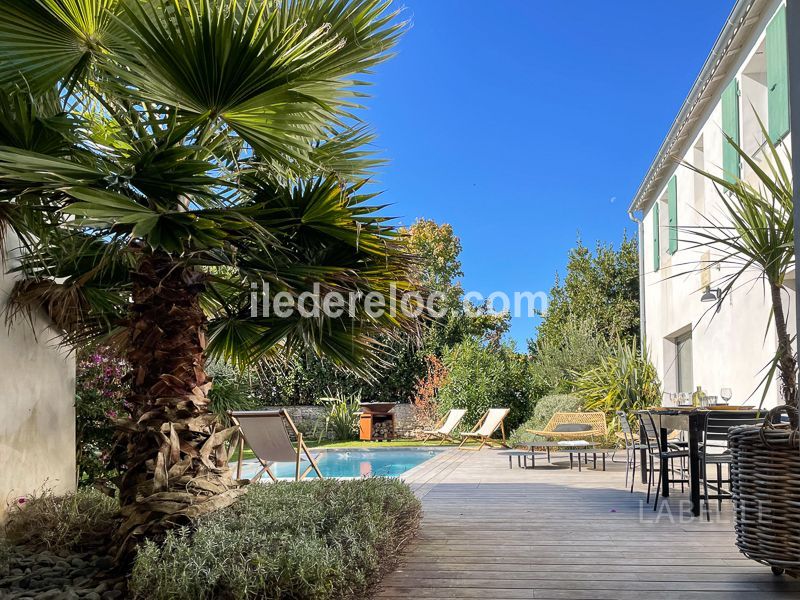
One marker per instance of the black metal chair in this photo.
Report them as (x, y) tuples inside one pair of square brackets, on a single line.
[(657, 454), (632, 446), (715, 451)]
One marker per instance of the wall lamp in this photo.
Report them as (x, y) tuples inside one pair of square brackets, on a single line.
[(711, 295)]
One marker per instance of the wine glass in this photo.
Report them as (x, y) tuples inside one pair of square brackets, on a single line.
[(727, 394)]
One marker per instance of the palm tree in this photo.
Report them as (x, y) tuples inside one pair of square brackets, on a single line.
[(159, 158), (754, 240)]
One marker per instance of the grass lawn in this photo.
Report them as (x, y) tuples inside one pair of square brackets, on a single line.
[(354, 444)]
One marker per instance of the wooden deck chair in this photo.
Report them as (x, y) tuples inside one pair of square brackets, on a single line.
[(267, 434), (443, 430), (490, 422)]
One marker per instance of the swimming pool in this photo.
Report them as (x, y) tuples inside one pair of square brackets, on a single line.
[(344, 463)]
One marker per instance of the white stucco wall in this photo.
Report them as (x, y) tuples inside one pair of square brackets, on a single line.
[(732, 347), (37, 414)]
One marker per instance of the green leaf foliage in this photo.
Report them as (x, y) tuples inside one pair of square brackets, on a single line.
[(225, 136), (482, 377), (623, 381), (754, 240), (601, 287), (557, 362)]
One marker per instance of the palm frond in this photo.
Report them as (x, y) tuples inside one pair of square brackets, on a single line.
[(44, 42), (278, 74), (755, 239)]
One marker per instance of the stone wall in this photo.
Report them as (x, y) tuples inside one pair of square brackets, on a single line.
[(308, 417), (37, 408), (405, 420)]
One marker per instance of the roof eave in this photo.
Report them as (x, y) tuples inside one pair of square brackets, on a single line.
[(703, 86)]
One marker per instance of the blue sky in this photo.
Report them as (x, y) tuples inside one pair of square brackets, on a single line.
[(526, 123)]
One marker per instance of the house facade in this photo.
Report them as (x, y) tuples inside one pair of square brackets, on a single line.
[(692, 340), (37, 408)]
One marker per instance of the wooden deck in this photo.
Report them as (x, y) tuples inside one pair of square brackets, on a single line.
[(494, 533)]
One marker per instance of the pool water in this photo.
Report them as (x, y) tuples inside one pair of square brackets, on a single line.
[(355, 463)]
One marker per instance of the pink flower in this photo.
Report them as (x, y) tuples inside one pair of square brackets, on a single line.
[(21, 500)]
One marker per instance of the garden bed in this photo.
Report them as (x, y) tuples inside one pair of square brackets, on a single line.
[(316, 540)]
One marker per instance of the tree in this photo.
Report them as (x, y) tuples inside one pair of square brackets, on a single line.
[(156, 159), (600, 287), (437, 248)]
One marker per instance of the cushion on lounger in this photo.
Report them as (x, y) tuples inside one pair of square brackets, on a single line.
[(572, 427)]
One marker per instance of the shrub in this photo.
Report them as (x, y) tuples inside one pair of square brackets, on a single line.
[(341, 422), (482, 377), (426, 392), (99, 400), (545, 408), (321, 539), (624, 380), (70, 523), (557, 362)]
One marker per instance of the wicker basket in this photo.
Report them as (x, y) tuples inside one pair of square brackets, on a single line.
[(765, 484)]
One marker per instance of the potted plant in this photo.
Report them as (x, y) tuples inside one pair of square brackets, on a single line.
[(757, 238)]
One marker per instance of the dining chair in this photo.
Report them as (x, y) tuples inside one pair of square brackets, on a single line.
[(714, 449), (632, 447), (656, 455)]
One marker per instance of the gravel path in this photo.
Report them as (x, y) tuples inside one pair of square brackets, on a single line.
[(59, 576)]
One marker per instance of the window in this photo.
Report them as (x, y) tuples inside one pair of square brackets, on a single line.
[(683, 359), (699, 161), (753, 88)]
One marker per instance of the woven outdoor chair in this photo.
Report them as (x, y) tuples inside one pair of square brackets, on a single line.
[(574, 426)]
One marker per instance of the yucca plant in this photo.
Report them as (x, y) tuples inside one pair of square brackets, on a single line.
[(754, 240), (342, 417), (625, 380), (156, 159)]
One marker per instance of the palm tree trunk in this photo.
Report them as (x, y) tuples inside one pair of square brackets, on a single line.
[(787, 365), (175, 465)]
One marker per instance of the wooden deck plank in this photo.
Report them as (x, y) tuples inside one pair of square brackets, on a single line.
[(504, 534)]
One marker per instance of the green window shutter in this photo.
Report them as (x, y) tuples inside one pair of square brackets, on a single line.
[(777, 77), (672, 201), (656, 239), (730, 126)]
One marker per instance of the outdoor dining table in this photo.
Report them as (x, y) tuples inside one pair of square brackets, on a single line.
[(693, 421)]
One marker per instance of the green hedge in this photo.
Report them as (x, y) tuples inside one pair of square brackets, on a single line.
[(316, 540)]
